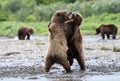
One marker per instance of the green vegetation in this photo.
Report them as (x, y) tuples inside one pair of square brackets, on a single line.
[(40, 43), (37, 14), (88, 48), (42, 10), (104, 48), (116, 49), (9, 28), (91, 23)]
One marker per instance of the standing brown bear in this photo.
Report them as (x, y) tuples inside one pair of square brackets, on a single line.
[(74, 39), (24, 32), (107, 29), (57, 47)]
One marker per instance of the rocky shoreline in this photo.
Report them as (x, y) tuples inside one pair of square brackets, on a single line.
[(26, 59)]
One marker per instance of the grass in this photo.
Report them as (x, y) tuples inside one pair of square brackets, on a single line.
[(105, 48), (33, 12), (88, 48), (9, 28), (91, 23), (40, 43), (116, 49)]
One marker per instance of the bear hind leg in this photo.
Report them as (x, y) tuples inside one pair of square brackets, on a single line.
[(48, 64), (81, 62), (70, 57), (114, 37), (21, 37), (108, 36), (28, 37), (65, 64)]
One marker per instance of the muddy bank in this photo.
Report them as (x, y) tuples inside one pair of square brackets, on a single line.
[(25, 59)]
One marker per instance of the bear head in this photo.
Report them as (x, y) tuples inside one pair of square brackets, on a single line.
[(60, 16), (76, 17)]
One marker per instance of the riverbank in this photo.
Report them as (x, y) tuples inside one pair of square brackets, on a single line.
[(24, 60)]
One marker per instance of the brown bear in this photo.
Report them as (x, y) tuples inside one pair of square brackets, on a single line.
[(24, 32), (107, 29), (74, 39), (57, 47)]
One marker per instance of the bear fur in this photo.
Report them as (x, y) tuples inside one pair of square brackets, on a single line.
[(57, 47), (74, 39), (24, 32), (107, 29)]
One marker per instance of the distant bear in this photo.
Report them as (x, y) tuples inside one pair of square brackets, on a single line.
[(74, 39), (57, 47), (24, 32), (108, 29)]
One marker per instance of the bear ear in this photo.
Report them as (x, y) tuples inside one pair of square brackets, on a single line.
[(69, 13), (58, 14), (49, 24), (31, 31)]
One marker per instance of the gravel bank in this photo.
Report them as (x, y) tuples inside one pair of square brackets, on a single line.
[(26, 59)]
